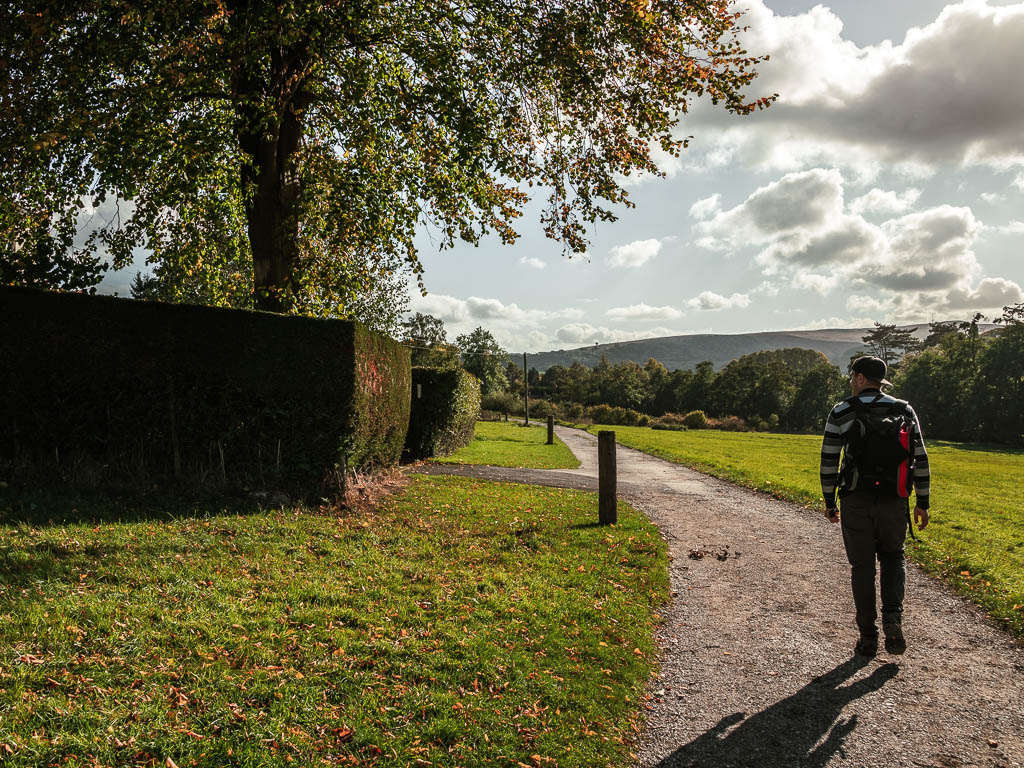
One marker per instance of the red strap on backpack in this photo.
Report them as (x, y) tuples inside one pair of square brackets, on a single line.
[(902, 472)]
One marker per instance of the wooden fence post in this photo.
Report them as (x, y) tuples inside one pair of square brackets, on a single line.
[(608, 512), (551, 430)]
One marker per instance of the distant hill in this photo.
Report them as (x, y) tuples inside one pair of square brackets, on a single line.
[(684, 352)]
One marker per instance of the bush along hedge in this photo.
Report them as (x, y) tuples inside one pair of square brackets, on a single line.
[(445, 406), (100, 391)]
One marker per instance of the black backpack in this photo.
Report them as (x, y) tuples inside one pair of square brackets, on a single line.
[(879, 447)]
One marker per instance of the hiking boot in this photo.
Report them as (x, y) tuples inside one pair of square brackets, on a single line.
[(866, 647), (895, 643)]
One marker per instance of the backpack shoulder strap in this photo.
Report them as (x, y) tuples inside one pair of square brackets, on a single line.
[(899, 407), (860, 406), (856, 403)]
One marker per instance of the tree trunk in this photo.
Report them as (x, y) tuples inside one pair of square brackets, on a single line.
[(271, 179)]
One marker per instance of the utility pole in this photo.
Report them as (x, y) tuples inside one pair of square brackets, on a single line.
[(526, 392)]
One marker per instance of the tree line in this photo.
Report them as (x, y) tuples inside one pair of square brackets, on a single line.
[(965, 384)]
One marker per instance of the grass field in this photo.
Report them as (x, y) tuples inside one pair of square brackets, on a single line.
[(507, 444), (463, 624), (976, 536)]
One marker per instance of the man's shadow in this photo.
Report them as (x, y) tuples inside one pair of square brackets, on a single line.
[(790, 732)]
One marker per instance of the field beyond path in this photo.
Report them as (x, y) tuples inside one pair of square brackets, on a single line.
[(757, 641)]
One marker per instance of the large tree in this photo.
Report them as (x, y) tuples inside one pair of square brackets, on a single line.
[(284, 153)]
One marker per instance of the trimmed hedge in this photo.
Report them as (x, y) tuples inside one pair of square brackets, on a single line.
[(104, 391), (445, 406)]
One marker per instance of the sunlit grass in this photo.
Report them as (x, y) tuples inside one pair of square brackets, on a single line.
[(507, 444), (976, 536), (465, 623)]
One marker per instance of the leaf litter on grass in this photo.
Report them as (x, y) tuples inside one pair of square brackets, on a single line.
[(461, 623)]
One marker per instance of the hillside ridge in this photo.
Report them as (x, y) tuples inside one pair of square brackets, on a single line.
[(686, 351)]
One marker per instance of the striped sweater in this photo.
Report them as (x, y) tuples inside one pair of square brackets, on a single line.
[(839, 421)]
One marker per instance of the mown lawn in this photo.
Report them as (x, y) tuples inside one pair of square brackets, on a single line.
[(462, 624), (976, 536), (507, 444)]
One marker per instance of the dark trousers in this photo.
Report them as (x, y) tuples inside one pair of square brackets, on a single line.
[(875, 526)]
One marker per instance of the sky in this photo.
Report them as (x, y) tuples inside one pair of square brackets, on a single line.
[(885, 184)]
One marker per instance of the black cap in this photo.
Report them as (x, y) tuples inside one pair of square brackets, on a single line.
[(873, 368)]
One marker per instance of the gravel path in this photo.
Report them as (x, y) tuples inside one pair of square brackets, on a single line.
[(756, 665)]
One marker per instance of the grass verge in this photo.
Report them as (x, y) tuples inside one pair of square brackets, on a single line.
[(506, 444), (464, 623), (975, 540)]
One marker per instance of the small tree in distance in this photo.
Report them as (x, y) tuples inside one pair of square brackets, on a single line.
[(428, 342), (484, 358), (890, 342)]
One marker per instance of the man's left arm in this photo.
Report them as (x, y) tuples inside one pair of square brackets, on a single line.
[(922, 477)]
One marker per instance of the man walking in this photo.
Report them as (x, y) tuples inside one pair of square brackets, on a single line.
[(883, 452)]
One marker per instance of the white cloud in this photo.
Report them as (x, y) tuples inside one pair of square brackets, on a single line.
[(447, 308), (634, 254), (705, 207), (643, 312), (1009, 228), (914, 105), (885, 201), (1018, 181), (514, 327), (929, 250), (812, 281), (531, 261), (709, 301), (992, 197), (910, 265), (990, 295), (797, 204), (809, 237), (585, 333)]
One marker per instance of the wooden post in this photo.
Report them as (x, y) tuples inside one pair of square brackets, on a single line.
[(526, 392), (551, 430), (608, 512)]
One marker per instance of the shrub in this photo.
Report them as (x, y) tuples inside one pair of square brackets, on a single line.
[(626, 417), (695, 420), (445, 406), (541, 409), (733, 424), (620, 416), (503, 402), (671, 418), (113, 392), (574, 410), (670, 421), (600, 414)]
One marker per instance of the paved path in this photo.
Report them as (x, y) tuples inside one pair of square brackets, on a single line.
[(756, 643)]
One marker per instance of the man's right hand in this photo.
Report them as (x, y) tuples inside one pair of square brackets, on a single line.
[(921, 518), (832, 514)]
